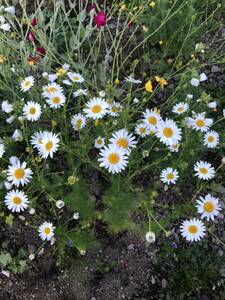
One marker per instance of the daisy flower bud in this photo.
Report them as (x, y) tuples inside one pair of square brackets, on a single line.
[(150, 237)]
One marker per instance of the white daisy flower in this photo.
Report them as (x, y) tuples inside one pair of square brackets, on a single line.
[(5, 27), (200, 122), (67, 82), (195, 82), (46, 231), (49, 144), (151, 118), (66, 67), (212, 104), (174, 147), (6, 107), (17, 135), (32, 111), (56, 100), (113, 158), (169, 176), (50, 89), (16, 201), (193, 230), (75, 77), (2, 150), (99, 142), (180, 108), (142, 130), (36, 139), (123, 139), (96, 108), (202, 77), (204, 170), (208, 207), (10, 10), (211, 139), (80, 92), (132, 80), (114, 109), (168, 132), (27, 83), (18, 174), (52, 77), (78, 121), (11, 119)]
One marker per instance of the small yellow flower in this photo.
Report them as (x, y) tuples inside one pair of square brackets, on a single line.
[(123, 6), (161, 42), (61, 72), (72, 180), (148, 86), (152, 4), (2, 59), (31, 63), (162, 82), (117, 81)]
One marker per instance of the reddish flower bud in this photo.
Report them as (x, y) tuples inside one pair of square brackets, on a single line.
[(100, 19), (34, 22), (130, 23), (30, 36), (40, 51)]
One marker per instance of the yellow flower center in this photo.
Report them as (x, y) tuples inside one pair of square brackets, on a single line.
[(99, 141), (142, 130), (17, 200), (56, 100), (47, 230), (27, 83), (114, 109), (203, 170), (49, 146), (51, 89), (167, 132), (32, 110), (200, 123), (210, 139), (208, 207), (180, 109), (113, 158), (79, 123), (170, 176), (123, 143), (192, 229), (96, 109), (75, 78), (19, 173), (152, 120)]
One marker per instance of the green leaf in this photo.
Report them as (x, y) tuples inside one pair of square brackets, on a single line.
[(120, 203), (5, 259), (79, 200), (9, 220)]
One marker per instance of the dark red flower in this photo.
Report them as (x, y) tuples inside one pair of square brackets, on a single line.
[(30, 36), (40, 51), (34, 22), (100, 19)]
